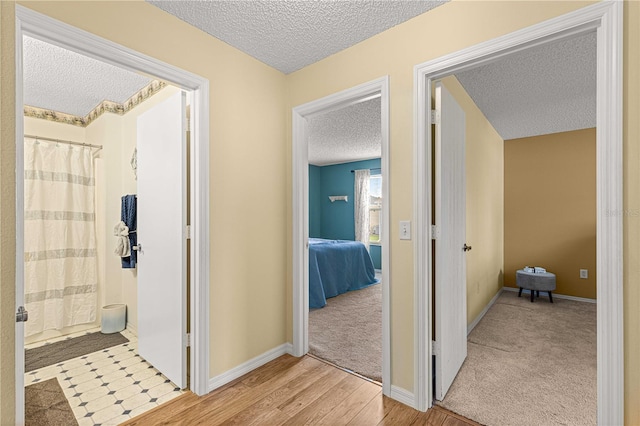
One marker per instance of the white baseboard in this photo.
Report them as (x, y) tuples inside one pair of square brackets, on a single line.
[(249, 366), (403, 396), (555, 295), (484, 311)]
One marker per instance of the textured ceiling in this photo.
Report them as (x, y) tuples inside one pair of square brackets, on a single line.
[(289, 35), (64, 81), (548, 89), (348, 134)]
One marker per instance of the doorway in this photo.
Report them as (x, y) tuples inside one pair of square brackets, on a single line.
[(301, 115), (51, 31), (607, 19)]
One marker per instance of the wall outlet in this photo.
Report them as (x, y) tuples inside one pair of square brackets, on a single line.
[(584, 274), (405, 230)]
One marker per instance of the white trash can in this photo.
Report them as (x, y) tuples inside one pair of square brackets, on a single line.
[(113, 318)]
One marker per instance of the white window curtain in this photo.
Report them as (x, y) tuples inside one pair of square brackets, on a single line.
[(60, 263), (361, 209)]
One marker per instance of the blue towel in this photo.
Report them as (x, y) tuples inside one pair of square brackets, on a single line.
[(128, 212)]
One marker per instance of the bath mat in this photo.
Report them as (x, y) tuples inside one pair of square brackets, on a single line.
[(64, 350), (45, 404)]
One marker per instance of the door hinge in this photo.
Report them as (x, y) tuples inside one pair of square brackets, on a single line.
[(22, 315), (435, 116), (434, 232), (188, 232), (434, 348), (188, 340)]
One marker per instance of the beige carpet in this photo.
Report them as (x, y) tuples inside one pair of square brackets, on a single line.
[(529, 364), (348, 331)]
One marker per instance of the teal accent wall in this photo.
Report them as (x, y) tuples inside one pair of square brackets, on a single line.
[(334, 221), (315, 219)]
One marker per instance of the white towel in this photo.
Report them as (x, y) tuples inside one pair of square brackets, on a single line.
[(123, 248)]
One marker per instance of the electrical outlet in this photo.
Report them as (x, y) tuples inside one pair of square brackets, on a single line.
[(584, 274), (405, 230)]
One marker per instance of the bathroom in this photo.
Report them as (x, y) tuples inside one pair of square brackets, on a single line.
[(102, 157)]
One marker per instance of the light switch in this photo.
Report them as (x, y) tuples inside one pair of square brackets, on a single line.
[(584, 274), (405, 230)]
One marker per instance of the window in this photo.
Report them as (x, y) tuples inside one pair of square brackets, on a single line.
[(375, 207)]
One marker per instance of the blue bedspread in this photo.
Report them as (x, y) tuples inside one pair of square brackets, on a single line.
[(335, 267)]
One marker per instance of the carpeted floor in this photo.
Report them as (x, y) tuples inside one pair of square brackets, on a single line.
[(529, 364), (54, 353), (45, 404), (348, 331)]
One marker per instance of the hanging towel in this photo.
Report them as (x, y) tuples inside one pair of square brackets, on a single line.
[(123, 248), (128, 216)]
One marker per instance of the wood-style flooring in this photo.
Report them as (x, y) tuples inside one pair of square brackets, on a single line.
[(295, 391)]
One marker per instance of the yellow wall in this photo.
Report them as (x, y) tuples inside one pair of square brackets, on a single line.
[(7, 213), (485, 198), (248, 305), (631, 249), (550, 208)]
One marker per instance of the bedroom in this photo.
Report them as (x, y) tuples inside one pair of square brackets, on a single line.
[(345, 245)]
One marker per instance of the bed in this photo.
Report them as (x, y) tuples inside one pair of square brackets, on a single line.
[(335, 267)]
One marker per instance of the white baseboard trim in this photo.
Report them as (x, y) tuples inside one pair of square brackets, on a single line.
[(555, 295), (247, 367), (475, 322), (403, 396)]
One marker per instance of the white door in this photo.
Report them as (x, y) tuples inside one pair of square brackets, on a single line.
[(450, 219), (161, 220)]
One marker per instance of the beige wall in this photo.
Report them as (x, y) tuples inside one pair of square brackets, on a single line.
[(631, 249), (7, 213), (550, 208), (250, 313), (485, 197)]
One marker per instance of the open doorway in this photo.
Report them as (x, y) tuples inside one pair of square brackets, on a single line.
[(109, 150), (542, 146), (365, 98), (345, 259), (605, 18)]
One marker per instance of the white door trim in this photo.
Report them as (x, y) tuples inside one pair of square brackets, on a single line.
[(52, 31), (606, 18), (300, 203)]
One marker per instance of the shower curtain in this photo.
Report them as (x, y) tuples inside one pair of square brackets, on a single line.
[(60, 259), (361, 206)]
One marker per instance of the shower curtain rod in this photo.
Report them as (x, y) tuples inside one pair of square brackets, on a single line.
[(63, 141)]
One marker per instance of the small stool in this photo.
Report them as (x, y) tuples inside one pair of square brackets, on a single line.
[(545, 281)]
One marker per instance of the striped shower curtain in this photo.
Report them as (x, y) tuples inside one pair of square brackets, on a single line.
[(60, 261)]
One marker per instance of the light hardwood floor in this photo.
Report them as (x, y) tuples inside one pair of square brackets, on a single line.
[(295, 391)]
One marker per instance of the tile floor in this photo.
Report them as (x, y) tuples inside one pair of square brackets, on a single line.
[(109, 386)]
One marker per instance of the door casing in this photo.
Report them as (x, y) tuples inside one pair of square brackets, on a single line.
[(42, 27), (605, 18), (300, 203)]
